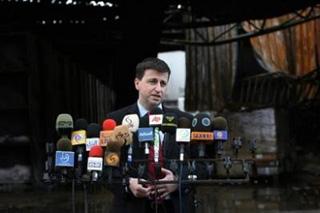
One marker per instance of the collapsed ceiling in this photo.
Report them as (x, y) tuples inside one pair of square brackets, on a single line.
[(229, 11), (100, 11)]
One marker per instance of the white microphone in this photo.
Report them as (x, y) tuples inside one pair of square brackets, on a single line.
[(183, 134), (132, 120)]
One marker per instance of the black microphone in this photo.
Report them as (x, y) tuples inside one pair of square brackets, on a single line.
[(78, 141), (201, 132), (169, 123), (169, 127), (93, 136), (220, 133)]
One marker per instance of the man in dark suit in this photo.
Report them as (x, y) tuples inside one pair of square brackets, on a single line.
[(152, 76)]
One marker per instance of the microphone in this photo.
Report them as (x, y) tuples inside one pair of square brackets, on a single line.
[(116, 139), (64, 124), (169, 123), (119, 137), (201, 132), (79, 134), (95, 162), (220, 133), (220, 126), (145, 133), (93, 131), (168, 127), (64, 157), (156, 120), (78, 141), (132, 121), (111, 158), (112, 155), (156, 117), (183, 134), (122, 135), (108, 126)]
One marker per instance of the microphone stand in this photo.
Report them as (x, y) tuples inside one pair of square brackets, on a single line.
[(85, 197), (73, 202), (179, 186)]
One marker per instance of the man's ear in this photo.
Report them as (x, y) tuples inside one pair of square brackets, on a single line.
[(136, 83)]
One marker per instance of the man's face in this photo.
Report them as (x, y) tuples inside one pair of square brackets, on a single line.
[(151, 88)]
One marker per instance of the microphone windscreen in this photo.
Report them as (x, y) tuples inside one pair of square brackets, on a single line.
[(132, 120), (96, 151), (64, 124), (80, 124), (144, 121), (156, 111), (64, 144), (93, 130), (109, 124), (112, 158), (169, 123), (202, 122), (122, 135), (184, 122), (156, 117), (220, 123)]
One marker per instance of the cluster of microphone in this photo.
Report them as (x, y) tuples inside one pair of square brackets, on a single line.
[(85, 152)]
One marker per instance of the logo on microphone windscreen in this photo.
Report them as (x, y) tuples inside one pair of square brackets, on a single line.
[(78, 137), (127, 120), (145, 134), (220, 135), (90, 142), (64, 159), (206, 122), (155, 119), (95, 163), (183, 135), (199, 136)]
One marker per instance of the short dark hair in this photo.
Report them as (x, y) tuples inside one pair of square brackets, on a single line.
[(152, 63)]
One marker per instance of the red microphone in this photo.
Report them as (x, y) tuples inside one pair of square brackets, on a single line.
[(95, 162), (96, 151), (108, 126)]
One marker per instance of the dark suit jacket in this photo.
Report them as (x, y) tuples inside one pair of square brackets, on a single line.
[(124, 201)]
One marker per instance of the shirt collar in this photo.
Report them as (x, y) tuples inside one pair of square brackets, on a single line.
[(143, 110)]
